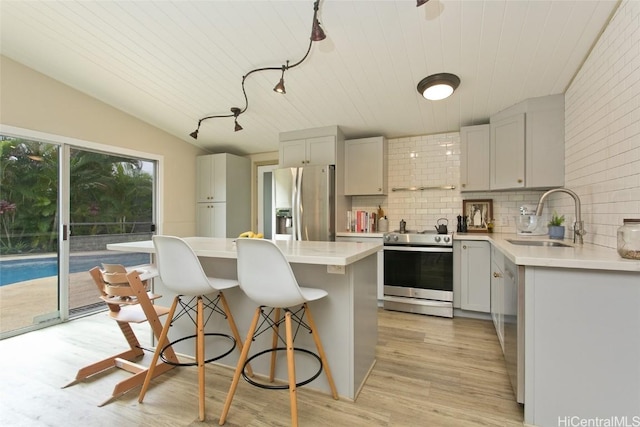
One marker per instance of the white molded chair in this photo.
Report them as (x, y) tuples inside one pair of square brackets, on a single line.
[(266, 278), (181, 272)]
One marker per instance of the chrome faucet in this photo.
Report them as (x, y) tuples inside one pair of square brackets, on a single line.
[(578, 226)]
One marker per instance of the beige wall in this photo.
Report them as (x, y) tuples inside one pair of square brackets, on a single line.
[(33, 101)]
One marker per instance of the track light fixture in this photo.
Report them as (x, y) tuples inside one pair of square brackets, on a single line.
[(438, 86), (280, 86), (317, 34), (316, 30), (421, 2), (236, 112)]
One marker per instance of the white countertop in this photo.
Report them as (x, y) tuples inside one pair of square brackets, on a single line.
[(323, 253), (585, 256)]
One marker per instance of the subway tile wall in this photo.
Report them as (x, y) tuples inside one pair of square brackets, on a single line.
[(602, 130), (434, 161)]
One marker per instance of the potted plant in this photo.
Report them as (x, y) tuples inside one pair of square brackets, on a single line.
[(556, 229)]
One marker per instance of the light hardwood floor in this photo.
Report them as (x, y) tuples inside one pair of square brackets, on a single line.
[(430, 371)]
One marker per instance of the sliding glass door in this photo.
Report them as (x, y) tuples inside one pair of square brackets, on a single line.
[(29, 221), (60, 205), (111, 199)]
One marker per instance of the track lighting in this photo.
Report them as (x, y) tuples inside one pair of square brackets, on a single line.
[(316, 30), (317, 34), (280, 86), (438, 86), (421, 2), (236, 112)]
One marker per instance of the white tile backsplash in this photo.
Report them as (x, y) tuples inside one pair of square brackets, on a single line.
[(432, 161)]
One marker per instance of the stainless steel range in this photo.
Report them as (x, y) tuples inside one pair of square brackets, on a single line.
[(418, 273)]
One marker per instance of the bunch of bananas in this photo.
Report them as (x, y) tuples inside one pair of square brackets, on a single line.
[(251, 235)]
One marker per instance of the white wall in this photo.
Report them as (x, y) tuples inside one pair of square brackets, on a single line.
[(602, 130)]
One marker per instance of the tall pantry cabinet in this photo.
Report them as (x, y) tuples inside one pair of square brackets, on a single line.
[(223, 195)]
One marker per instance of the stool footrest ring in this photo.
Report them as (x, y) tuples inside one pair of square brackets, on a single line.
[(283, 386), (229, 337)]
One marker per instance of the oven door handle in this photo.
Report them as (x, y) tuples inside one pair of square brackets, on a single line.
[(418, 249)]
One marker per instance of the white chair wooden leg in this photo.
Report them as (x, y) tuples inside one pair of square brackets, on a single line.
[(238, 372), (274, 344), (291, 367), (161, 343), (200, 355), (234, 329)]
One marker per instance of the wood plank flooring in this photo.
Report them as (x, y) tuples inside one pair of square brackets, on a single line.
[(430, 371)]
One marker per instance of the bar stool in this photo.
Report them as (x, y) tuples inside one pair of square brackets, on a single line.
[(267, 279), (180, 271)]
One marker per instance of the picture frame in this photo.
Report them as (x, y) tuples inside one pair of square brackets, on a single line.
[(478, 213)]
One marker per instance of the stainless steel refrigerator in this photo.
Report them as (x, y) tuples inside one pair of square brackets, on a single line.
[(304, 203)]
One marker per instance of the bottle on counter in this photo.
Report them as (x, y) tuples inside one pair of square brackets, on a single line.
[(629, 239)]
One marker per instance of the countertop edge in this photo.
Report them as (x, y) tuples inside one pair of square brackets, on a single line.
[(588, 256), (320, 253)]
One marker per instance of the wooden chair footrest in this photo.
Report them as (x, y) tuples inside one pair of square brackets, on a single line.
[(135, 313)]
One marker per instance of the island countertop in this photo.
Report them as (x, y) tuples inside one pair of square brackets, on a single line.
[(587, 256), (323, 253)]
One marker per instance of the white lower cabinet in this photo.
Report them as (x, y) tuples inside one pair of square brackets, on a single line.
[(211, 219), (471, 276), (497, 293)]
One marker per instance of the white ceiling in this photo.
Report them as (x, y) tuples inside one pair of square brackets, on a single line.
[(170, 63)]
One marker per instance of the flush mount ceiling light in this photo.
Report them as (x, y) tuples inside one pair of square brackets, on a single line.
[(438, 86), (317, 34)]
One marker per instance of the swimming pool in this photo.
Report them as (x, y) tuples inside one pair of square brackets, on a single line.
[(18, 270)]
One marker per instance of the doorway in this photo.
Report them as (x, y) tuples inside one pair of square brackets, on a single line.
[(265, 206)]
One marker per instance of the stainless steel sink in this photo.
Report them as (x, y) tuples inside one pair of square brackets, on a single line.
[(538, 243)]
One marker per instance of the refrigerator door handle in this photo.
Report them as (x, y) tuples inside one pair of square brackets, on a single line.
[(297, 207)]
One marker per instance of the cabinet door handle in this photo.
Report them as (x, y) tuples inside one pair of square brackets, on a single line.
[(464, 185), (520, 181), (464, 246), (496, 274)]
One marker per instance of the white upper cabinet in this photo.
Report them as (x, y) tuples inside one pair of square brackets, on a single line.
[(474, 157), (223, 189), (507, 153), (365, 166), (527, 145), (211, 183), (319, 150)]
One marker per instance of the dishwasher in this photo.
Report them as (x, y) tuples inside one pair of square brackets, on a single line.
[(514, 326)]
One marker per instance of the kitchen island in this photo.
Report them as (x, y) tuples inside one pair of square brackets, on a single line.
[(346, 318), (581, 331)]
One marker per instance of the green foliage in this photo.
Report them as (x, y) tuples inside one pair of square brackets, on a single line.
[(556, 220), (108, 194)]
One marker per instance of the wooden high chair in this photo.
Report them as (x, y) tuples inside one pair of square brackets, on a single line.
[(129, 301)]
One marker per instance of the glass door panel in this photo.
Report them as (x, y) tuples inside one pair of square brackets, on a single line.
[(111, 201), (29, 224)]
